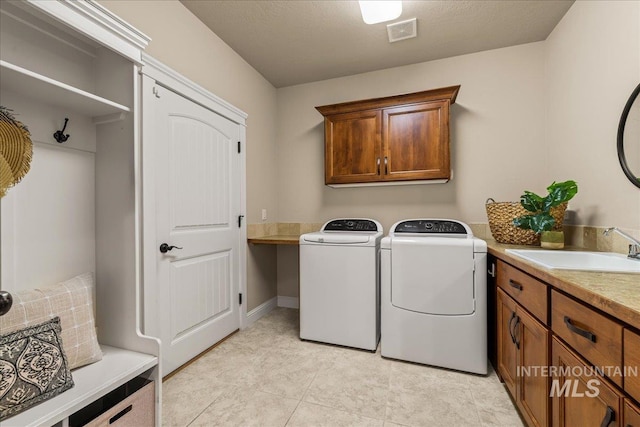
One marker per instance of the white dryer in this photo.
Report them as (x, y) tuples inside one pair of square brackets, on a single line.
[(339, 283), (433, 291)]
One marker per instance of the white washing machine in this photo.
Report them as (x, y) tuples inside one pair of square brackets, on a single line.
[(434, 299), (340, 285)]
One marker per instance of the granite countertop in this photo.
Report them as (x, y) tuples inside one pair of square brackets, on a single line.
[(617, 294)]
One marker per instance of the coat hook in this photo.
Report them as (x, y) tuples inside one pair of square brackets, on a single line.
[(59, 135)]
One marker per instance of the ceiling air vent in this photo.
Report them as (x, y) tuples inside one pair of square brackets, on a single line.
[(402, 30)]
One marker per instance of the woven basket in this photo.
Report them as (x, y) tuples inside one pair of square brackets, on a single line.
[(502, 214)]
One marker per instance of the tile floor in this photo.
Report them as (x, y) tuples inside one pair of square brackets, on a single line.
[(266, 376)]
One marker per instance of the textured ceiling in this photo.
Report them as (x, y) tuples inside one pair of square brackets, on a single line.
[(293, 42)]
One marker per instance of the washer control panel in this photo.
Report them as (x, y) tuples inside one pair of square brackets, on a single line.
[(428, 226), (351, 225)]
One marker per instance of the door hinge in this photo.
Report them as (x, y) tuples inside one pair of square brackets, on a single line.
[(240, 299), (240, 220), (238, 146)]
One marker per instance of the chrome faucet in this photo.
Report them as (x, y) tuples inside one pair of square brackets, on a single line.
[(634, 247)]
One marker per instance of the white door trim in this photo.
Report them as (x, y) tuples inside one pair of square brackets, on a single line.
[(172, 80)]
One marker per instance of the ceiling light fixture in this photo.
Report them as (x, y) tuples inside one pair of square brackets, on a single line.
[(377, 11)]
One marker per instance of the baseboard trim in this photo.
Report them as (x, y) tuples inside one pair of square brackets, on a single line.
[(261, 310), (288, 302)]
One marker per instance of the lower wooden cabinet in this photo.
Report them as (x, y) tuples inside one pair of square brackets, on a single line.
[(523, 348), (580, 398), (631, 414), (548, 347)]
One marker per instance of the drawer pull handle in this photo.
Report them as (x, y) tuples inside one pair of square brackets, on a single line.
[(515, 284), (515, 331), (608, 417), (511, 319), (120, 414), (573, 328)]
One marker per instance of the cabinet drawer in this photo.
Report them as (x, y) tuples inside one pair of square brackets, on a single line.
[(526, 290), (631, 414), (137, 410), (597, 338), (632, 363)]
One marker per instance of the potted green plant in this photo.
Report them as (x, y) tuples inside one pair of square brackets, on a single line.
[(541, 220)]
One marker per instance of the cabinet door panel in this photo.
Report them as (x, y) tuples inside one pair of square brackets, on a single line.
[(587, 400), (352, 149), (631, 414), (507, 352), (532, 338), (632, 363), (416, 141)]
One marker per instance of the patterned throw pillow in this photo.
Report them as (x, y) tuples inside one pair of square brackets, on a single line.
[(33, 367), (72, 301)]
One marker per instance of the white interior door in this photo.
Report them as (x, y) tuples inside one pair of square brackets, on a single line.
[(197, 201)]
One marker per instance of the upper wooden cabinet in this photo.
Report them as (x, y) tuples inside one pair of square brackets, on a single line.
[(397, 138)]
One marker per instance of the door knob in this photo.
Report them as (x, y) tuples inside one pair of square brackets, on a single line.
[(164, 248)]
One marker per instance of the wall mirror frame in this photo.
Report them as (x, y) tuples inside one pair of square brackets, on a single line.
[(629, 141)]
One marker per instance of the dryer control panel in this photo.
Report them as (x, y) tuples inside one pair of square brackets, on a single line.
[(428, 226), (351, 225)]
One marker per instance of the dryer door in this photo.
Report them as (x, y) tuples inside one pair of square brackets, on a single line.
[(433, 275)]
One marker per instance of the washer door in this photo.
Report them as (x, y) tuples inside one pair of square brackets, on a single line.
[(433, 275)]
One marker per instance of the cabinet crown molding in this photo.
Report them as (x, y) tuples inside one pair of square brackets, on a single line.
[(449, 92), (93, 20)]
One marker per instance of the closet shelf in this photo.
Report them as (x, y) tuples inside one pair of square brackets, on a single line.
[(91, 382), (48, 91)]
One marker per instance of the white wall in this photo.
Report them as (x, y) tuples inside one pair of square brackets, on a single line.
[(592, 66), (498, 113)]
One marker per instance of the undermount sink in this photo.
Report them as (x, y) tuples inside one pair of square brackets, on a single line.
[(579, 260)]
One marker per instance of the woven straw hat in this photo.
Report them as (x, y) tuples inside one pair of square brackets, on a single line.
[(16, 150)]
